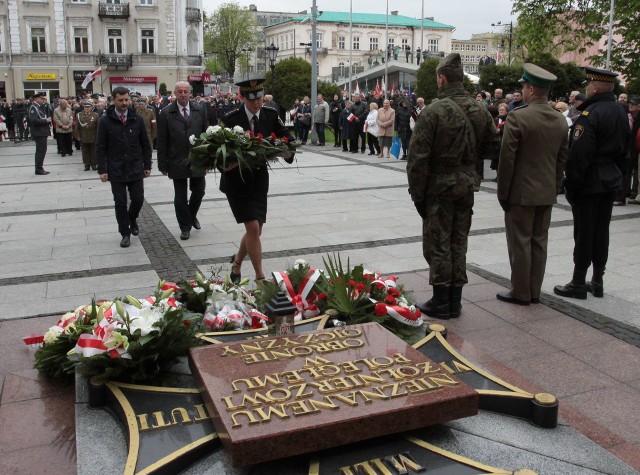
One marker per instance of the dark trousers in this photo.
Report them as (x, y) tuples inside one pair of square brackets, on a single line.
[(320, 131), (187, 207), (65, 141), (374, 146), (303, 132), (136, 195), (405, 139), (336, 136), (591, 219), (41, 151), (355, 133)]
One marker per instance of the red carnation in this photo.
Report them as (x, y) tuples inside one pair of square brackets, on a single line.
[(393, 291), (390, 299), (381, 309), (360, 287), (379, 285), (285, 140), (273, 136), (251, 135), (260, 135), (322, 296), (352, 283)]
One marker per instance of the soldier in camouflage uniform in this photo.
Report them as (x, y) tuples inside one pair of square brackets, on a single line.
[(149, 118), (449, 137)]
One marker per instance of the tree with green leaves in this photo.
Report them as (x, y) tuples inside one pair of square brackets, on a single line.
[(559, 26), (227, 32), (500, 76)]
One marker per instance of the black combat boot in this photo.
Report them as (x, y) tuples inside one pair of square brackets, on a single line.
[(576, 289), (455, 301), (438, 306), (596, 286)]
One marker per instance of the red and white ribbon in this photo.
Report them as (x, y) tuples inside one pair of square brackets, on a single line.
[(300, 299)]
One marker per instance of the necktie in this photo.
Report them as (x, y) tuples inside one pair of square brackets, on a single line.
[(122, 119), (185, 113), (254, 123)]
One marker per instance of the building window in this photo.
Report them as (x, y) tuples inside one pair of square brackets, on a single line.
[(146, 2), (356, 42), (81, 40), (318, 40), (114, 43), (433, 46), (148, 42), (38, 43), (373, 44), (404, 43), (341, 42), (78, 1)]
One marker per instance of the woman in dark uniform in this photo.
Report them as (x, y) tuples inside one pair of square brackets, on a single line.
[(247, 193)]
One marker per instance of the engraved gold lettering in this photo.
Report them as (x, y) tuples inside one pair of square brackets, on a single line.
[(278, 411), (201, 413), (327, 403), (292, 377), (230, 405), (301, 394), (286, 353), (408, 371), (443, 380), (401, 462), (246, 381), (251, 418), (301, 350), (329, 370), (374, 377), (184, 415), (427, 383), (353, 343), (444, 366), (341, 384), (317, 361), (461, 368), (160, 423), (349, 398), (300, 408), (401, 359), (335, 345), (375, 393), (413, 386), (349, 367), (364, 468), (273, 394), (382, 361), (426, 367), (228, 351), (246, 348), (251, 358), (346, 471), (143, 422)]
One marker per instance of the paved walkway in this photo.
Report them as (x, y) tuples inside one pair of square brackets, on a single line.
[(59, 247)]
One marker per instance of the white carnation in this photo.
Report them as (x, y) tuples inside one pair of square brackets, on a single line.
[(238, 130), (52, 334), (210, 130), (192, 139), (215, 129), (299, 264)]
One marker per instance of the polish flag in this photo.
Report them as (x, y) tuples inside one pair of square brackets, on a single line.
[(499, 57), (90, 77), (356, 92), (377, 91)]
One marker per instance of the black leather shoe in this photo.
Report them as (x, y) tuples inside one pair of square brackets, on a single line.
[(196, 223), (184, 235), (86, 168), (535, 300), (42, 172), (574, 291), (596, 289), (135, 230), (506, 297), (126, 240)]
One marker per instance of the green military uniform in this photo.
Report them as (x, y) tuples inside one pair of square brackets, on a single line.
[(85, 130), (448, 138), (532, 158), (149, 118)]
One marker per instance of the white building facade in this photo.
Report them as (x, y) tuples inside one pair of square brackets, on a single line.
[(51, 45), (355, 44)]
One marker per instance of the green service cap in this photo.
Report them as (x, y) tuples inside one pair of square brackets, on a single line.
[(450, 61), (536, 76)]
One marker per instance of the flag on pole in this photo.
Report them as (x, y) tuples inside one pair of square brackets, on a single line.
[(90, 77), (356, 92), (409, 92), (376, 92), (230, 89), (393, 89), (384, 88), (499, 57)]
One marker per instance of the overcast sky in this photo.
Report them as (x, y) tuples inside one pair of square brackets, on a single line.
[(467, 16)]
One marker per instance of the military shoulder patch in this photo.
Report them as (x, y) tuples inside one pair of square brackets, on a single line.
[(578, 131), (585, 112)]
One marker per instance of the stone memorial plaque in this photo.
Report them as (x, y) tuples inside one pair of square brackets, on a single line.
[(277, 397)]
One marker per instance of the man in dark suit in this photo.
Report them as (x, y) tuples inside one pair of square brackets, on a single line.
[(247, 193), (532, 158), (176, 123), (39, 122)]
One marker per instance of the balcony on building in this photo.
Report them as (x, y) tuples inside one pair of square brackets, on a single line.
[(116, 61), (194, 60), (193, 14), (113, 10)]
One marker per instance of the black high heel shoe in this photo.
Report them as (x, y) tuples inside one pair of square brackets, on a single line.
[(233, 276)]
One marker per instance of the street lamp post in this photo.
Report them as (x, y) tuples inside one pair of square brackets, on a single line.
[(499, 23), (246, 52), (272, 54)]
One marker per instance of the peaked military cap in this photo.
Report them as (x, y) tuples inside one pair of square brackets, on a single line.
[(581, 97), (634, 100), (536, 76), (251, 88), (450, 61), (39, 94), (602, 75)]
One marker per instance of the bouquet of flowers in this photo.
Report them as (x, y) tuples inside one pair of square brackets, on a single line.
[(220, 148)]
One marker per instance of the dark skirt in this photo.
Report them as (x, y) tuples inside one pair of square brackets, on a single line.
[(247, 193)]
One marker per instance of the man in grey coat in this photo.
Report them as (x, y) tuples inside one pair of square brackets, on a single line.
[(176, 123)]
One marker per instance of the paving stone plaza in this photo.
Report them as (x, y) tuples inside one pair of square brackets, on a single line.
[(59, 248)]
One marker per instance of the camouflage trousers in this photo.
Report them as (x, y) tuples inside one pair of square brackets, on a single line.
[(445, 231)]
